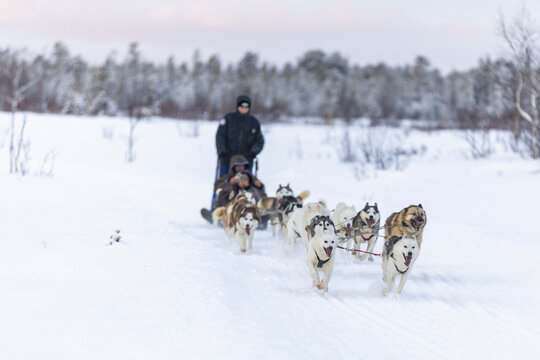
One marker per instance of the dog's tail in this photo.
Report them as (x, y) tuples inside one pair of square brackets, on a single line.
[(322, 202), (218, 214), (303, 196), (266, 203)]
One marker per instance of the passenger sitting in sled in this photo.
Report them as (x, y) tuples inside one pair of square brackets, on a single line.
[(237, 178)]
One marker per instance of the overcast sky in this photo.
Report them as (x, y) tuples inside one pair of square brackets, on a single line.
[(452, 34)]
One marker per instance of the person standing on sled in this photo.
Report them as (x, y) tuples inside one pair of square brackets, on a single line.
[(239, 133)]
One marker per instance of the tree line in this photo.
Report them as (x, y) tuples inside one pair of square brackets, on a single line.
[(316, 85)]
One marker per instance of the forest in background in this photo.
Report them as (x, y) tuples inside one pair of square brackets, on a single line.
[(316, 85)]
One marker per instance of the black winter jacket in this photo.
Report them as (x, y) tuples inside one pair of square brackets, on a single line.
[(239, 134)]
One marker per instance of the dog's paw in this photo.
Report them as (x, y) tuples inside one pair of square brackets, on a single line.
[(243, 250), (320, 286)]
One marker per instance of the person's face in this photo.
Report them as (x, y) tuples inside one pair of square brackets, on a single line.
[(239, 168), (243, 110), (244, 183)]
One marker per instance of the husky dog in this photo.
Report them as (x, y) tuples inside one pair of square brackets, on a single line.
[(301, 218), (240, 219), (320, 225), (244, 195), (343, 217), (408, 222), (366, 229), (398, 257), (320, 253), (284, 211), (276, 206)]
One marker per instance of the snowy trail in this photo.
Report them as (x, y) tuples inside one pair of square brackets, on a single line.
[(176, 287), (376, 319)]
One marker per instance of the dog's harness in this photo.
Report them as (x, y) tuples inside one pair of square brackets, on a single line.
[(401, 272), (321, 262), (368, 238), (362, 236)]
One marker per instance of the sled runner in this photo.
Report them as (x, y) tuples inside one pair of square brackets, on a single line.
[(207, 215)]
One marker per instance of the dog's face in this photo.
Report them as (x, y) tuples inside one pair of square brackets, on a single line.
[(405, 250), (327, 241), (283, 191), (343, 219), (370, 215), (248, 220), (321, 225), (415, 217)]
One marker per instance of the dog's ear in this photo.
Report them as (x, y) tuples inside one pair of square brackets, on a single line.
[(375, 206), (420, 206), (288, 187), (367, 205)]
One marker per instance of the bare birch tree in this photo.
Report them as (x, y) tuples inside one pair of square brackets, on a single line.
[(523, 39), (17, 90)]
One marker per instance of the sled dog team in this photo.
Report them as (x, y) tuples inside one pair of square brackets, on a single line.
[(322, 230)]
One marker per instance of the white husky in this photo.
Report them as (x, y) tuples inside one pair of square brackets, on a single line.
[(399, 255), (320, 257)]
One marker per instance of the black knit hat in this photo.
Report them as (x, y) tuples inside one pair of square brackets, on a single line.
[(243, 100)]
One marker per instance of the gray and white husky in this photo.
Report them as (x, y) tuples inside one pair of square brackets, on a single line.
[(366, 229)]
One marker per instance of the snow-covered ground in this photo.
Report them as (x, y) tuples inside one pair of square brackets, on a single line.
[(177, 288)]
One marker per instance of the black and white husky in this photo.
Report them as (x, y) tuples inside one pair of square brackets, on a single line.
[(366, 229), (280, 207)]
